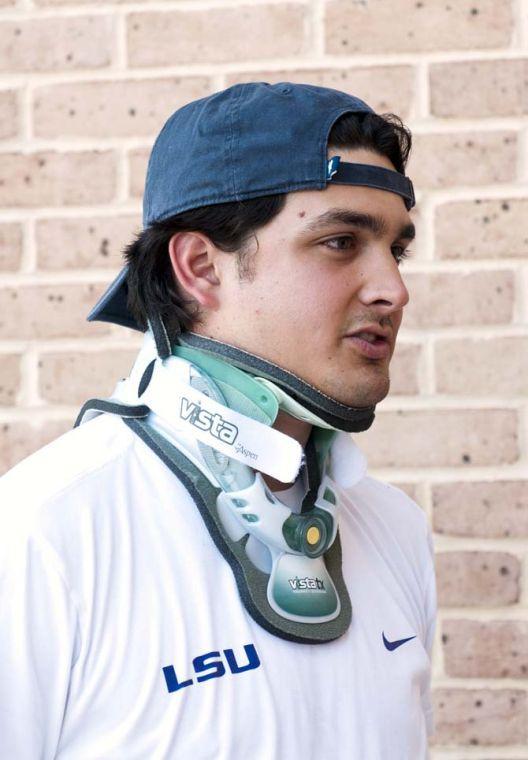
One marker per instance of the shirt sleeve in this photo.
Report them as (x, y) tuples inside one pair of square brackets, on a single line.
[(38, 642), (430, 617)]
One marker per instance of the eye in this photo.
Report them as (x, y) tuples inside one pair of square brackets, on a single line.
[(341, 239), (348, 242), (400, 253)]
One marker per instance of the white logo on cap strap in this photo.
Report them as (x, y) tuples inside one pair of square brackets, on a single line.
[(332, 166)]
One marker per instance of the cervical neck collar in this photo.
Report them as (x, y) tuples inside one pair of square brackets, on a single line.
[(211, 423), (300, 398)]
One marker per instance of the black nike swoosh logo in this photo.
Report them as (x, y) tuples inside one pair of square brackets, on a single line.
[(390, 645)]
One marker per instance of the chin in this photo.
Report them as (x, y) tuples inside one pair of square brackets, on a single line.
[(365, 391)]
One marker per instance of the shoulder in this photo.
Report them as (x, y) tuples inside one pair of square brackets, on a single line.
[(392, 502), (94, 474), (392, 515), (74, 455), (63, 475)]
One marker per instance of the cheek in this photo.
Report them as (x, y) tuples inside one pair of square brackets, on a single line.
[(313, 310), (298, 297)]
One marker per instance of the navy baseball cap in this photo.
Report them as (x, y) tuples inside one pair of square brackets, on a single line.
[(247, 141)]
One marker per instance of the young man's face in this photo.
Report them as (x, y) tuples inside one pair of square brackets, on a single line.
[(314, 286)]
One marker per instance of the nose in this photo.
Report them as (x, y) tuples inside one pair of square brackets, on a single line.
[(383, 287)]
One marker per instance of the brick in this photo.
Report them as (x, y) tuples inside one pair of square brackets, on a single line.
[(384, 88), (9, 378), (73, 377), (217, 35), (83, 2), (484, 88), (463, 158), (138, 161), (8, 114), (485, 366), (404, 369), (483, 509), (453, 437), (491, 229), (84, 242), (49, 311), (20, 439), (480, 716), (491, 649), (444, 299), (56, 179), (56, 44), (10, 246), (474, 579), (112, 109), (416, 25)]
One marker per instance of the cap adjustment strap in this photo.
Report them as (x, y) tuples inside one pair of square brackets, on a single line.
[(367, 175)]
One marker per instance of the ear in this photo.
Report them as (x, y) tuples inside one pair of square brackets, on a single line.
[(195, 263)]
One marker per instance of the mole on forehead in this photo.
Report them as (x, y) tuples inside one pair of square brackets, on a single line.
[(372, 222)]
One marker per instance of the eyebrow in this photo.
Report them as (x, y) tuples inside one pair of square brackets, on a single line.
[(372, 222)]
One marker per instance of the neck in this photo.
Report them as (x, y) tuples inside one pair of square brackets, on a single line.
[(297, 429)]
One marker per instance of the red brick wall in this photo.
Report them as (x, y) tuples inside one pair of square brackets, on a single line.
[(85, 87)]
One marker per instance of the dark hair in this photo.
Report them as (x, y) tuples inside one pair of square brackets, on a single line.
[(152, 285)]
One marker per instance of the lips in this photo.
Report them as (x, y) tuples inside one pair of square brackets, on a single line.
[(372, 342), (371, 332), (378, 349), (369, 337)]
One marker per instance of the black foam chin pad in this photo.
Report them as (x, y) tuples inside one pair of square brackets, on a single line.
[(340, 416)]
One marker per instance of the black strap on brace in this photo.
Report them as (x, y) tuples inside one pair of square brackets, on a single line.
[(314, 475), (161, 336), (112, 407)]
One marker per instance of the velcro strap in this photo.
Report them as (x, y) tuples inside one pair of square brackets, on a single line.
[(96, 406), (223, 429)]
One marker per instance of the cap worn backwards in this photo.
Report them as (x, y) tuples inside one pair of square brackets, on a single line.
[(249, 140)]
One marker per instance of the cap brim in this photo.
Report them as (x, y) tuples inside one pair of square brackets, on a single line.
[(112, 306)]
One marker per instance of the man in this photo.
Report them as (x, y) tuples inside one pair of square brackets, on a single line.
[(203, 568)]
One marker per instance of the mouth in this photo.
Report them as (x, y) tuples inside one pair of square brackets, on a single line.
[(374, 343)]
